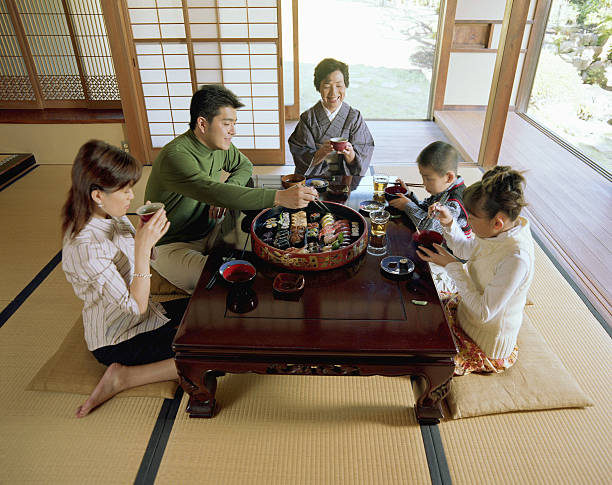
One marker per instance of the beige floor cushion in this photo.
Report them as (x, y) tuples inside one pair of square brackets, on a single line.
[(74, 369), (538, 380)]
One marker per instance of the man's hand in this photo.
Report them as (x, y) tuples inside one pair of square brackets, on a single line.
[(216, 212), (441, 258), (295, 197), (349, 153), (322, 152)]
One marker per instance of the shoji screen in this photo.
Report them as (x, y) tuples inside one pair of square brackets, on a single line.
[(56, 54), (181, 44)]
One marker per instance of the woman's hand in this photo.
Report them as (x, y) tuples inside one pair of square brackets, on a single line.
[(322, 152), (399, 202), (442, 257), (349, 153), (148, 233), (442, 213)]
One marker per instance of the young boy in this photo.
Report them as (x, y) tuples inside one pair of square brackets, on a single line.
[(438, 163)]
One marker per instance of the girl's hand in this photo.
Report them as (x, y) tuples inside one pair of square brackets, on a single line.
[(148, 233), (442, 213), (399, 202), (442, 257), (322, 152)]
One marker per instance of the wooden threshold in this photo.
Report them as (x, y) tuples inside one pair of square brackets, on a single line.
[(565, 197)]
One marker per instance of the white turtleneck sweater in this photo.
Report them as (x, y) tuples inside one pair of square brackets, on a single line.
[(493, 284)]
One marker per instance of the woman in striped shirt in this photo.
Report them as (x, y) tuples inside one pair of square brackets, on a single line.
[(107, 263)]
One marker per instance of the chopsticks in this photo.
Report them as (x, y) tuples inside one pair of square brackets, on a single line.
[(424, 224), (320, 205)]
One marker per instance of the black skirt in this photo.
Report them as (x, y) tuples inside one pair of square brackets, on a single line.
[(146, 347)]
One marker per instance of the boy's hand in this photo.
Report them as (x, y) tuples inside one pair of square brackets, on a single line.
[(442, 213), (442, 257), (399, 202), (402, 185)]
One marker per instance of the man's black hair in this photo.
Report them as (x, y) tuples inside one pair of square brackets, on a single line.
[(208, 100)]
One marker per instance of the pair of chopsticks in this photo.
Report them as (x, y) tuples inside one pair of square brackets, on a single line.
[(320, 205), (426, 223)]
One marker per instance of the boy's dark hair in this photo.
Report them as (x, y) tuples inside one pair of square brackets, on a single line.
[(208, 100), (441, 157), (501, 189), (326, 67)]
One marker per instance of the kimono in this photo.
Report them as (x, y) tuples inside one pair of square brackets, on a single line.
[(314, 128)]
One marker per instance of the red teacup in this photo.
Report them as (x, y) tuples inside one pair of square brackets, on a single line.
[(339, 144), (145, 212)]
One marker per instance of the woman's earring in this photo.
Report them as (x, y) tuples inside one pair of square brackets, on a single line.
[(100, 205)]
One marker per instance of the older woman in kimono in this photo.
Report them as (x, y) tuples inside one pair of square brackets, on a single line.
[(331, 117)]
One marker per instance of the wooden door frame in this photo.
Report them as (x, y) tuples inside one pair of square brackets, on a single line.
[(292, 112)]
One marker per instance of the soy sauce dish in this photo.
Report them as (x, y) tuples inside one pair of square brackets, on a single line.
[(237, 272), (397, 267)]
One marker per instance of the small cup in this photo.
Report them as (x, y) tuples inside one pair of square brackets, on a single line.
[(238, 272), (339, 144), (292, 179), (145, 212), (377, 245), (380, 183), (393, 191)]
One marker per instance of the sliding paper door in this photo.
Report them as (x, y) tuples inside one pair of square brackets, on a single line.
[(179, 45)]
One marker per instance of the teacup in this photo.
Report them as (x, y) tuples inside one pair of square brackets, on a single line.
[(427, 239), (339, 143), (292, 179), (145, 212)]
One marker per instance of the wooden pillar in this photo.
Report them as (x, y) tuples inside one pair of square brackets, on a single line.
[(508, 52), (124, 61), (448, 28)]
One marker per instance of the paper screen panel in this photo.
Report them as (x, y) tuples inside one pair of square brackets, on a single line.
[(166, 87), (15, 82)]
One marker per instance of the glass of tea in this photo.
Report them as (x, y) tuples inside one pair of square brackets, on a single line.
[(380, 183), (377, 245)]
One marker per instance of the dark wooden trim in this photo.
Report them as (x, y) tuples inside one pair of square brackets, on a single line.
[(510, 42), (450, 10), (534, 47), (63, 116), (292, 112), (75, 48)]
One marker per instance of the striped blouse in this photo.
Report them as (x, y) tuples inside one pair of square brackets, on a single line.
[(99, 263)]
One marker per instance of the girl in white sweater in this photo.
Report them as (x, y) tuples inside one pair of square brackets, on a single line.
[(487, 312)]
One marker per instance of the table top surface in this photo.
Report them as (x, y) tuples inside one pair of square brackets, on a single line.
[(346, 310)]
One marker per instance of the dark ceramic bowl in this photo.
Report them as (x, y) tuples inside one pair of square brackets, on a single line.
[(238, 272), (292, 179), (288, 285), (319, 184), (393, 191)]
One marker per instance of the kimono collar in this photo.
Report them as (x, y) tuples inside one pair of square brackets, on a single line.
[(323, 120)]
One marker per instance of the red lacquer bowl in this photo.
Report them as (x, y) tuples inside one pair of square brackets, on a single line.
[(427, 239), (310, 261)]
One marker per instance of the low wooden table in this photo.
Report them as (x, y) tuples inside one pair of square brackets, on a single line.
[(349, 321)]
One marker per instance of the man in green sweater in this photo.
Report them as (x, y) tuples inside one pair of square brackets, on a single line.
[(186, 177)]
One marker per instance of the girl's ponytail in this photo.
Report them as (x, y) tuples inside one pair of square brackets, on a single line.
[(501, 189)]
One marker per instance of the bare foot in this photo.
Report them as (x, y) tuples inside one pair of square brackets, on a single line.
[(109, 385)]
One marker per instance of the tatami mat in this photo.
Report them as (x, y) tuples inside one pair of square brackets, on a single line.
[(300, 430), (42, 441), (30, 214), (570, 446)]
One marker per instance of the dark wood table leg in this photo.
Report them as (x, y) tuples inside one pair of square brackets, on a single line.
[(201, 395), (437, 385)]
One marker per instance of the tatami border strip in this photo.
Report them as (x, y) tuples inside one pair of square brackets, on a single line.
[(14, 305), (159, 439)]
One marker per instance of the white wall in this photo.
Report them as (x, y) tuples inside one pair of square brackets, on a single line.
[(470, 73)]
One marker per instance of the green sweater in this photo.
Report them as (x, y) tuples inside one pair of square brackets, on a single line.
[(186, 178)]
